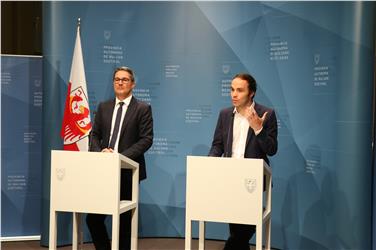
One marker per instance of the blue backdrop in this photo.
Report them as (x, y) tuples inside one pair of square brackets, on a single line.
[(21, 145), (313, 62)]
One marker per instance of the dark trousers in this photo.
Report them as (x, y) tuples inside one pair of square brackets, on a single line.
[(239, 237), (97, 228)]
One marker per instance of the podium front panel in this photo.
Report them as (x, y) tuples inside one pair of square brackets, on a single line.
[(83, 180), (224, 189)]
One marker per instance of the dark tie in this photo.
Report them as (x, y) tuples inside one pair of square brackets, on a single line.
[(115, 132)]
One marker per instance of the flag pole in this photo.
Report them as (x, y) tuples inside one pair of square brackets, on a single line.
[(79, 217)]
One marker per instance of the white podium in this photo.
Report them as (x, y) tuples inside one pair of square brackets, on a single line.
[(228, 190), (89, 182)]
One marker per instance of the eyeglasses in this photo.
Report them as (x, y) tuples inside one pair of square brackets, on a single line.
[(122, 80)]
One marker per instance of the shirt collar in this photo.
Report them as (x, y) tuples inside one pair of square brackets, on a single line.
[(126, 101), (236, 112)]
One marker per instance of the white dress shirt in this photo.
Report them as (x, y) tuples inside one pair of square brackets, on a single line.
[(125, 107)]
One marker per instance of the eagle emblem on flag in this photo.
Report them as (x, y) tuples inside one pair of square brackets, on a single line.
[(77, 123)]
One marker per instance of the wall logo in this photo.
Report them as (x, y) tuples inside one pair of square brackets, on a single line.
[(226, 68), (316, 58), (60, 173), (37, 83), (107, 34), (250, 184)]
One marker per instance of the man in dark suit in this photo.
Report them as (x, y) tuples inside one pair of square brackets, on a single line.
[(245, 130), (123, 125)]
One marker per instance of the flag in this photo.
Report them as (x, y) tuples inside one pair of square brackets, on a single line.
[(76, 121)]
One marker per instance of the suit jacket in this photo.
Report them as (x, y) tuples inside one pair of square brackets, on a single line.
[(136, 135), (260, 146)]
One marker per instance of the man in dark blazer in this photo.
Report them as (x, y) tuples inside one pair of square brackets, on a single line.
[(245, 130), (123, 125)]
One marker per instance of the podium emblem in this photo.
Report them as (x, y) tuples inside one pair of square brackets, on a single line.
[(250, 184), (60, 173)]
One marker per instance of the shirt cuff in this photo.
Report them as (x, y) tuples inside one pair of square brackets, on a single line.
[(258, 131)]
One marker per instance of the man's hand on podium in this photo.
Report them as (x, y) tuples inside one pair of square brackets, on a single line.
[(107, 150)]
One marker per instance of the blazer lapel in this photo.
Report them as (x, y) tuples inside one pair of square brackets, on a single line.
[(130, 111), (230, 135), (249, 136), (108, 120)]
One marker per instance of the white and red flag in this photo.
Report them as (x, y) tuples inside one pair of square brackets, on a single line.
[(76, 122)]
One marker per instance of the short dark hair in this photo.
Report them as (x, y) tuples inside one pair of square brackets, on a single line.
[(123, 68), (252, 85)]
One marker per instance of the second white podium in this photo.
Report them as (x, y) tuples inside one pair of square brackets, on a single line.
[(228, 190)]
